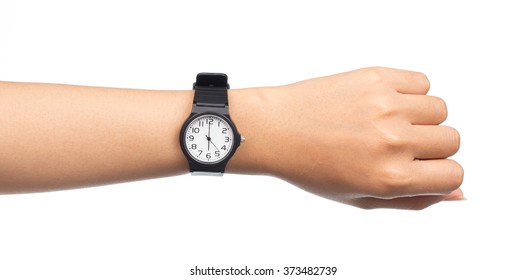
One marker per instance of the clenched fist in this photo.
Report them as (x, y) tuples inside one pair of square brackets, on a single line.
[(370, 138)]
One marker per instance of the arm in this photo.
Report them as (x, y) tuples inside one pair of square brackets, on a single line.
[(59, 136), (369, 138)]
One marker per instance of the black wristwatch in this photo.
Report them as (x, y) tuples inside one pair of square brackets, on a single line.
[(209, 137)]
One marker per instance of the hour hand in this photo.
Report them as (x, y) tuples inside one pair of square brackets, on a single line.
[(209, 140)]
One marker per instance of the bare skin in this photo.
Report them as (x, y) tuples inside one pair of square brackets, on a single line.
[(369, 138)]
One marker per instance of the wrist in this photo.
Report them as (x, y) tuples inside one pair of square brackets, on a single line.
[(251, 110)]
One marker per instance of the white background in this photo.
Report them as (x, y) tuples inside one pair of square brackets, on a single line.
[(472, 51)]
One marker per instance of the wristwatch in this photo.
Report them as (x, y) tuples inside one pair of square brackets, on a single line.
[(209, 137)]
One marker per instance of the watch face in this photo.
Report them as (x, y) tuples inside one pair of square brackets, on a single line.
[(208, 139)]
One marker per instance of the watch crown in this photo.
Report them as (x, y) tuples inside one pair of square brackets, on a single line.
[(242, 138)]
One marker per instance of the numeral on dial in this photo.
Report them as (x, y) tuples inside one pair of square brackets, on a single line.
[(208, 139)]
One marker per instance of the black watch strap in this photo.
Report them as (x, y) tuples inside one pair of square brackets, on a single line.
[(211, 90), (211, 97)]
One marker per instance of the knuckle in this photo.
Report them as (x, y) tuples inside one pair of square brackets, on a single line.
[(457, 175), (374, 74), (393, 181), (440, 109), (391, 141), (425, 80), (454, 139), (450, 140), (381, 106)]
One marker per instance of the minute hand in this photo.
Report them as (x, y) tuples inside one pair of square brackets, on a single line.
[(214, 145)]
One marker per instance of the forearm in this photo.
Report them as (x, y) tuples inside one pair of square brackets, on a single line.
[(60, 136)]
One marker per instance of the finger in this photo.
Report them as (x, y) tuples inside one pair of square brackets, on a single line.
[(434, 142), (420, 109), (455, 195), (409, 82), (407, 203), (437, 176)]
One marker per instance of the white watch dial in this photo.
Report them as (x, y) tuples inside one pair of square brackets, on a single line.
[(209, 139)]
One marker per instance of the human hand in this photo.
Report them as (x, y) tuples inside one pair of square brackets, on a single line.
[(369, 138)]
